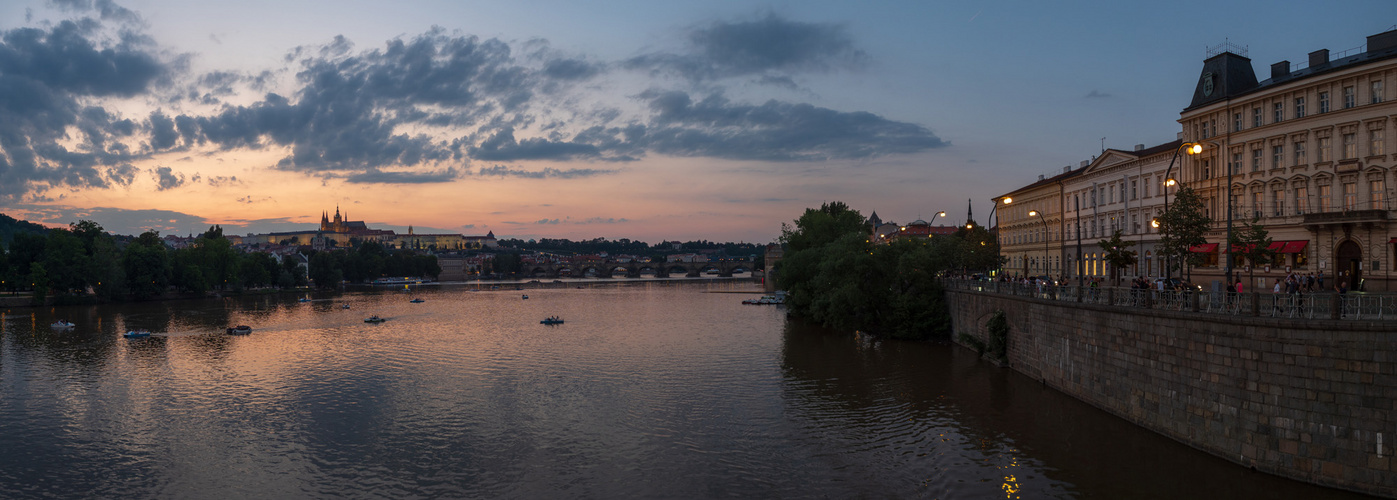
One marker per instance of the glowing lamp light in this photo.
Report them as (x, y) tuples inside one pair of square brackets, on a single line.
[(1194, 149), (1008, 200), (1169, 182), (1154, 222), (1032, 213)]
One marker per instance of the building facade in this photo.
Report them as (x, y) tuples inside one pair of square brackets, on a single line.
[(1030, 227), (1307, 154), (1119, 190)]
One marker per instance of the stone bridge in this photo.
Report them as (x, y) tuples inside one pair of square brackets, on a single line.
[(724, 268)]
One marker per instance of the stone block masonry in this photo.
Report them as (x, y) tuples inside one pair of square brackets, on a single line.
[(1314, 400)]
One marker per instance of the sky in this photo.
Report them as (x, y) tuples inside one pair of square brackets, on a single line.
[(653, 121)]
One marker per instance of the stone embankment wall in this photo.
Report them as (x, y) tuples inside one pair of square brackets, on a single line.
[(1314, 400)]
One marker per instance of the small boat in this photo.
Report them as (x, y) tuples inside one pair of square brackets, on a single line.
[(417, 300), (374, 319), (552, 320), (240, 330), (303, 299), (526, 297), (136, 334), (61, 324), (346, 306), (766, 299)]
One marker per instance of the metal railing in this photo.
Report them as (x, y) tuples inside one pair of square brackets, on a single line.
[(1316, 305)]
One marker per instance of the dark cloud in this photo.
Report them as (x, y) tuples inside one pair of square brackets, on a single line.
[(162, 132), (166, 178), (375, 176), (547, 173), (502, 147), (44, 76), (774, 131), (221, 181), (571, 69), (770, 44)]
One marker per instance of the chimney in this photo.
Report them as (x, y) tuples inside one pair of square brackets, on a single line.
[(1139, 147), (1040, 177), (1382, 41), (1280, 70), (1319, 57), (1067, 169), (1085, 163)]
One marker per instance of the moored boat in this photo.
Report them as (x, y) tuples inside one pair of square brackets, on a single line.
[(135, 334), (60, 324), (240, 330), (374, 319), (417, 300), (552, 320)]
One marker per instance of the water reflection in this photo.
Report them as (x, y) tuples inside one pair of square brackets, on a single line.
[(650, 390)]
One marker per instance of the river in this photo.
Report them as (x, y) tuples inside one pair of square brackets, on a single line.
[(648, 390)]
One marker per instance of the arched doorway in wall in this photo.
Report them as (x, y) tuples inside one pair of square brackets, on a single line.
[(1348, 259)]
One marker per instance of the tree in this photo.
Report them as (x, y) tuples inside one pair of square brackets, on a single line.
[(1253, 243), (1183, 227), (147, 266), (823, 226), (1117, 252)]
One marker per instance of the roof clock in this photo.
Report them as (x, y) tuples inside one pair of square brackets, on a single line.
[(1208, 84)]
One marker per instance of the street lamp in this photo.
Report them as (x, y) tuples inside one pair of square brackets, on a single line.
[(937, 214), (1192, 148), (1006, 200), (1044, 220)]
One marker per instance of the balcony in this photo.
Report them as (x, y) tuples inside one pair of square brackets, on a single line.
[(1345, 217)]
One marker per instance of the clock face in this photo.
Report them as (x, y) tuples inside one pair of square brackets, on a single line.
[(1208, 83)]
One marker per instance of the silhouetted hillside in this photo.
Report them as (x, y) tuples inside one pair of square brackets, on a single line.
[(9, 227)]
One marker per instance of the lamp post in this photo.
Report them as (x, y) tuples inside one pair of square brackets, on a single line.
[(1044, 220), (937, 214), (1007, 200), (1192, 148)]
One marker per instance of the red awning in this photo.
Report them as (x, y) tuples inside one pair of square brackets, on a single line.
[(1241, 249), (1295, 246), (1391, 241), (1204, 248), (1276, 246)]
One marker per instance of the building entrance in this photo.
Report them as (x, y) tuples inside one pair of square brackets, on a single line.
[(1348, 264)]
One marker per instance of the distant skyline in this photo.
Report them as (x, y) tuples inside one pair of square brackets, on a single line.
[(543, 119)]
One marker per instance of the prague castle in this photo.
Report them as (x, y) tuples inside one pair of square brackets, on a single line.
[(338, 232)]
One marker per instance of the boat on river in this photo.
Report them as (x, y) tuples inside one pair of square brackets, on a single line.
[(764, 300), (240, 330), (418, 300), (374, 319), (62, 324), (136, 334), (552, 320)]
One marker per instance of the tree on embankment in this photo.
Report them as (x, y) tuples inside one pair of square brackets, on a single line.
[(835, 276)]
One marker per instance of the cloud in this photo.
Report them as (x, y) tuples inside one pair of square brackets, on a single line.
[(1096, 93), (546, 173), (771, 44), (166, 178), (222, 181), (773, 131), (375, 176), (547, 221)]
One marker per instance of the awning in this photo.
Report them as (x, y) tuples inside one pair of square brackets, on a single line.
[(1204, 248), (1241, 248), (1295, 246), (1276, 246), (1391, 241)]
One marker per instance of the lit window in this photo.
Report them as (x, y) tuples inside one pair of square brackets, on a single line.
[(1322, 152), (1278, 198), (1350, 196), (1302, 200), (1376, 192), (1326, 198), (1350, 146)]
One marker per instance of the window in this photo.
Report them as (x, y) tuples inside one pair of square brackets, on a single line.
[(1256, 160), (1122, 185), (1323, 102), (1376, 190), (1256, 203), (1236, 166), (1278, 112), (1299, 107), (1326, 198), (1300, 153), (1093, 197), (1322, 152), (1375, 146), (1278, 199), (1236, 122), (1256, 116), (1134, 223), (1205, 129), (1277, 156), (1350, 146), (1375, 96), (1147, 186), (1349, 98), (1302, 200), (1350, 196), (1134, 189)]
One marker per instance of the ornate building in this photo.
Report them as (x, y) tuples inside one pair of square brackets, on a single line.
[(1307, 153), (339, 231)]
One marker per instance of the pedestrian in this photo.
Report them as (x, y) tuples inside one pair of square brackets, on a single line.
[(1319, 280)]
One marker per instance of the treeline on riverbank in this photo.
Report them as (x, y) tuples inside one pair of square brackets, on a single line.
[(834, 274), (84, 263)]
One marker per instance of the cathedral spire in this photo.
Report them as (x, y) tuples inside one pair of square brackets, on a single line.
[(969, 211)]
